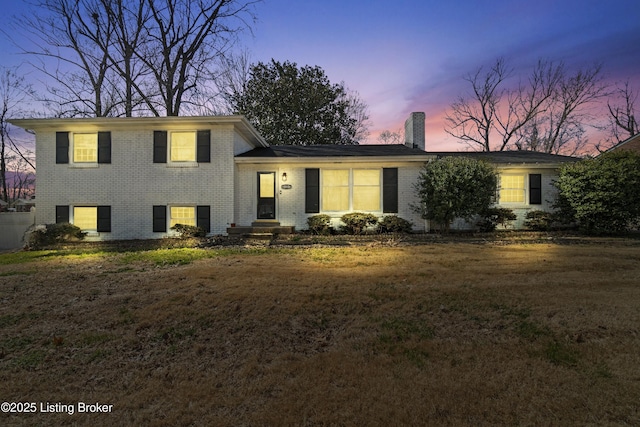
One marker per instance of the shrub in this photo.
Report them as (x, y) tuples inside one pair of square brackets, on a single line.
[(539, 220), (493, 217), (50, 234), (601, 194), (319, 224), (188, 231), (394, 224), (357, 222), (455, 187)]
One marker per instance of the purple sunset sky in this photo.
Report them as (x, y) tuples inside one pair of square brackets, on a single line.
[(411, 55)]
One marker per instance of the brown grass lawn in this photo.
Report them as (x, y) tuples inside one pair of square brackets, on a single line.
[(439, 334)]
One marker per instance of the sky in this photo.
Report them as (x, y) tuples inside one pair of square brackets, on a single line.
[(412, 55)]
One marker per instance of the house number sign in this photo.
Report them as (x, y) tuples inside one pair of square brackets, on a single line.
[(286, 186)]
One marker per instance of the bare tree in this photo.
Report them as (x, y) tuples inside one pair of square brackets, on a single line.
[(542, 114), (388, 137), (71, 39), (119, 57), (559, 127), (358, 111), (14, 91), (623, 113), (472, 119)]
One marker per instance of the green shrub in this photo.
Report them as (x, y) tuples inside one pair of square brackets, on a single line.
[(357, 222), (539, 220), (493, 217), (601, 194), (394, 224), (319, 224), (50, 234), (188, 231)]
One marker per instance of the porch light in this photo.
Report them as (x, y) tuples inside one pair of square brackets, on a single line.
[(284, 177)]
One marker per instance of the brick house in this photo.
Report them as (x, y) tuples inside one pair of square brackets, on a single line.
[(134, 178)]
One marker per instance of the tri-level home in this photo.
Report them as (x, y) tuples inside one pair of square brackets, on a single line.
[(134, 178)]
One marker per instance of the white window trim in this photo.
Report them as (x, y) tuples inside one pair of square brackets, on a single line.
[(89, 231), (81, 165), (525, 200), (351, 186), (182, 163), (181, 205)]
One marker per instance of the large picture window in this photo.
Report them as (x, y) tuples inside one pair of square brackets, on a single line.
[(512, 189), (350, 189)]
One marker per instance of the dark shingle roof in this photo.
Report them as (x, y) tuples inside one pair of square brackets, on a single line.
[(311, 151), (329, 150), (510, 156)]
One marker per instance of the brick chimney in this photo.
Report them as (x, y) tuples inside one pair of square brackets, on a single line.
[(414, 131)]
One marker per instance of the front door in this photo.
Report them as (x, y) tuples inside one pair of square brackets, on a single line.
[(266, 195)]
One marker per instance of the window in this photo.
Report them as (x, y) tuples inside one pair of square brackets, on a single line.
[(182, 146), (87, 218), (366, 189), (335, 190), (350, 189), (512, 189), (199, 216), (85, 147), (182, 215)]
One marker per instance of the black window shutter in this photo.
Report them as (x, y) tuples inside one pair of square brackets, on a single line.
[(62, 147), (62, 213), (203, 218), (312, 191), (203, 146), (160, 146), (390, 190), (159, 218), (104, 147), (535, 189), (104, 219)]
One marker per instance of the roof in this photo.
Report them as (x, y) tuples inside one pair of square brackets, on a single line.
[(632, 144), (240, 123), (511, 157), (398, 150), (330, 150)]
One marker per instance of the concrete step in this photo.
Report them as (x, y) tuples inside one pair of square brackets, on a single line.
[(246, 230)]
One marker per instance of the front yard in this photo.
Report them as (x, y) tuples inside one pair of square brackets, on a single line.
[(380, 333)]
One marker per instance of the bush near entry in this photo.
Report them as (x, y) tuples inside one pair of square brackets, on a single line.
[(319, 224), (394, 224), (357, 222)]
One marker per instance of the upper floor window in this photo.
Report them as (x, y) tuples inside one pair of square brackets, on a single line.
[(182, 146), (85, 147)]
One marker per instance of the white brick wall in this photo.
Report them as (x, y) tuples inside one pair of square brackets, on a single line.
[(290, 203), (132, 184)]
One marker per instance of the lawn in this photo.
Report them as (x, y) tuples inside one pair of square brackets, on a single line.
[(373, 334)]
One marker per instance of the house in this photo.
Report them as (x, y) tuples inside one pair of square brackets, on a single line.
[(134, 178), (629, 144)]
